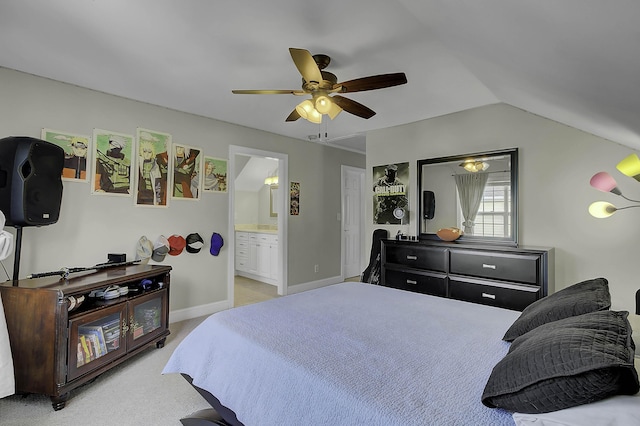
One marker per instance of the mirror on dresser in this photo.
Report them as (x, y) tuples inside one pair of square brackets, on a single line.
[(486, 180)]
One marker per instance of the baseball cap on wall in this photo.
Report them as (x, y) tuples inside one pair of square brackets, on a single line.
[(160, 249), (194, 243), (177, 243), (144, 249), (216, 244)]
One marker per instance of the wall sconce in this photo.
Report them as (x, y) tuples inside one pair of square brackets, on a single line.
[(474, 166), (603, 181)]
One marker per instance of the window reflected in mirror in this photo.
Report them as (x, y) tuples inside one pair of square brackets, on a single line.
[(475, 192)]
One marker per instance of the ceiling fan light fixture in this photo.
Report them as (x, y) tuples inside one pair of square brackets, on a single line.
[(304, 108), (308, 112), (474, 166), (320, 84), (323, 104), (334, 111)]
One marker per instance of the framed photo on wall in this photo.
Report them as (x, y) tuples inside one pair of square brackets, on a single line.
[(153, 180), (215, 175), (76, 151), (187, 172), (114, 160)]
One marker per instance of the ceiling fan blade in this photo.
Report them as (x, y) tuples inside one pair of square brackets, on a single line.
[(306, 65), (353, 107), (374, 82), (293, 116), (268, 92)]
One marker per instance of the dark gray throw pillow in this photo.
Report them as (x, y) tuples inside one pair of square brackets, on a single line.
[(581, 298), (566, 363)]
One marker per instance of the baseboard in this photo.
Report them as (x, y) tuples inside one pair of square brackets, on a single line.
[(212, 308), (298, 288), (198, 311)]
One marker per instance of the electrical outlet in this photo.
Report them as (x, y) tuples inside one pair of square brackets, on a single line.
[(316, 268)]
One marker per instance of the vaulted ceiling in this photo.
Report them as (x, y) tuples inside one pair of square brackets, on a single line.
[(573, 61)]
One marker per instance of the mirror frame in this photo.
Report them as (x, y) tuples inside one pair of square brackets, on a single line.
[(513, 240), (273, 203)]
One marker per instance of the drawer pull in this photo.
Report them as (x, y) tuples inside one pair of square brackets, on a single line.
[(488, 266), (412, 282), (489, 296), (411, 257)]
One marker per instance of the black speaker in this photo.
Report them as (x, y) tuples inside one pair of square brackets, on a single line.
[(428, 204), (30, 181)]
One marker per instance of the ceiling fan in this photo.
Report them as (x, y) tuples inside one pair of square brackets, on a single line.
[(324, 89)]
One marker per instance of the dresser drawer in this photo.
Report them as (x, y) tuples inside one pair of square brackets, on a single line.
[(434, 284), (521, 268), (417, 256), (503, 295)]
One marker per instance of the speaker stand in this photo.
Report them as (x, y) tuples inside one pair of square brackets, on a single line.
[(16, 256)]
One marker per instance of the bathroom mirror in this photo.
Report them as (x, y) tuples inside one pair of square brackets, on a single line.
[(477, 193)]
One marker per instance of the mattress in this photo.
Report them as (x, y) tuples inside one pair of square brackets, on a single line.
[(350, 353)]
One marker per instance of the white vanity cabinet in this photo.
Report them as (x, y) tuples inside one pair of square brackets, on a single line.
[(257, 256)]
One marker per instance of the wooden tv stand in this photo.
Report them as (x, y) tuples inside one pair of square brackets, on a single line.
[(56, 349)]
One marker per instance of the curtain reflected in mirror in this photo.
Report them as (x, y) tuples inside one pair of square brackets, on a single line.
[(474, 192), (470, 195)]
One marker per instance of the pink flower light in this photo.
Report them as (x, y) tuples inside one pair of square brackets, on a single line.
[(604, 182)]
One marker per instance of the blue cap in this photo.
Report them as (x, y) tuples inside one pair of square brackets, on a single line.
[(216, 243)]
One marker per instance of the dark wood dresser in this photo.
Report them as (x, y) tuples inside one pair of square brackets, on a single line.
[(58, 344), (507, 277)]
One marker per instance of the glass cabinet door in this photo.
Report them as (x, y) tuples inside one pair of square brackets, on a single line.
[(147, 318), (95, 339)]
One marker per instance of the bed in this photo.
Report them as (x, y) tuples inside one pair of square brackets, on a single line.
[(351, 354)]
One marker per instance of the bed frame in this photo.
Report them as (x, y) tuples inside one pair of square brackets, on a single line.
[(219, 415)]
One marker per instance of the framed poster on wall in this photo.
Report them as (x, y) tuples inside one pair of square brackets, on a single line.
[(390, 194)]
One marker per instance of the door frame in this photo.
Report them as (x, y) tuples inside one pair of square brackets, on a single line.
[(343, 170), (283, 197)]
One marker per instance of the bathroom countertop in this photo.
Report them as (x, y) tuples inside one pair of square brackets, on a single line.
[(262, 229)]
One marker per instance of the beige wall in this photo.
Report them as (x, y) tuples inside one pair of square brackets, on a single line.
[(556, 164), (91, 226)]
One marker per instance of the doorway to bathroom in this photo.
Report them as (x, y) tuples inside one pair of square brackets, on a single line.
[(257, 220)]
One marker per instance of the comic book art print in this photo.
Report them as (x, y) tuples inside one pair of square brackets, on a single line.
[(76, 151), (294, 199), (187, 172), (215, 175), (390, 194), (113, 162), (153, 167)]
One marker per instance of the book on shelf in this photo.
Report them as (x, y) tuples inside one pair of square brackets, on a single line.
[(96, 336), (85, 348), (111, 331)]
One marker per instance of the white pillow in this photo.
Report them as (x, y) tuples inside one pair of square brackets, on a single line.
[(614, 411)]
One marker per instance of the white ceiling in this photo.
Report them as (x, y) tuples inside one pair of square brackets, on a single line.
[(251, 175), (574, 61)]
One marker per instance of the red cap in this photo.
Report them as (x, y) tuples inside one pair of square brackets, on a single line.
[(176, 244)]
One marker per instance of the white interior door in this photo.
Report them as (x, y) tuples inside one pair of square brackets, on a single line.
[(352, 221)]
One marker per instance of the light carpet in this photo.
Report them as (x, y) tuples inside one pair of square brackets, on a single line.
[(133, 393)]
